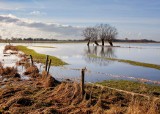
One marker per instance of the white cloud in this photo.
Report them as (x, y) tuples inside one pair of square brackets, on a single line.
[(13, 24), (37, 13)]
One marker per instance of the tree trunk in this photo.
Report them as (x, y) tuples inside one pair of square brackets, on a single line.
[(88, 42), (96, 43), (102, 42), (110, 42)]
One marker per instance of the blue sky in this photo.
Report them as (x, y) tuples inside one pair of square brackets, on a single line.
[(136, 19)]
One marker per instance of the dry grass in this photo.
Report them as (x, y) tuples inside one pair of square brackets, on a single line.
[(9, 72), (10, 47), (50, 82), (23, 61), (32, 71), (148, 107), (66, 97)]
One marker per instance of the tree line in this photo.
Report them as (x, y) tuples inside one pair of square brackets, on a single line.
[(103, 32)]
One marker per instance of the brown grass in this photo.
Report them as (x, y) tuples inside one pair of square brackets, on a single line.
[(66, 97), (148, 107), (21, 101), (10, 47), (24, 60), (50, 81), (9, 72), (32, 71)]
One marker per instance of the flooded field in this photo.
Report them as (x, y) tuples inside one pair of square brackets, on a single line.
[(98, 69)]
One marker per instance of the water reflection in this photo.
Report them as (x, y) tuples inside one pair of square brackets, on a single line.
[(101, 53)]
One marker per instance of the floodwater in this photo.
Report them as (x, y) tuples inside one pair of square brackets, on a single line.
[(98, 69)]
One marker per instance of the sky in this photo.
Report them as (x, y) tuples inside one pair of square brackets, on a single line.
[(66, 19)]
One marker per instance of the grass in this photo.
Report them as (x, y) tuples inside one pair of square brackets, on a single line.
[(10, 47), (44, 46), (32, 96), (133, 86), (8, 72), (136, 63), (37, 57), (66, 97)]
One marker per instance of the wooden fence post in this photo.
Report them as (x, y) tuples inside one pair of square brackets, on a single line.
[(46, 63), (49, 66), (31, 60), (82, 81)]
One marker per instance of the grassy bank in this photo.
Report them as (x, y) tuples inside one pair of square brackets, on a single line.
[(44, 46), (37, 57), (149, 65), (133, 86)]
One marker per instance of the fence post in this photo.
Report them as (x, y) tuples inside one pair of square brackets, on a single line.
[(46, 63), (82, 81), (31, 60), (49, 66)]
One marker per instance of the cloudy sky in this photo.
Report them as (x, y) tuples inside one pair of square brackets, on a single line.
[(65, 19)]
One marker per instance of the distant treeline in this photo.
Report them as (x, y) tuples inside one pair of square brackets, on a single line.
[(56, 40), (133, 40)]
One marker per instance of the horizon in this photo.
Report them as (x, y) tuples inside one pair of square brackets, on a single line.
[(65, 19)]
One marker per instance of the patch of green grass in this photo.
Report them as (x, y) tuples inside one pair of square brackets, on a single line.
[(44, 46), (132, 86), (37, 57), (149, 65)]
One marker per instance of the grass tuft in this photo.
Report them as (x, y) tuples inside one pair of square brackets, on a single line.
[(10, 47), (9, 72), (32, 71)]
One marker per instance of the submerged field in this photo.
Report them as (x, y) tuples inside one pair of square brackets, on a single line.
[(120, 61)]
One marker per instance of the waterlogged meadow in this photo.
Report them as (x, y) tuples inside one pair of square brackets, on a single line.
[(31, 87), (129, 61)]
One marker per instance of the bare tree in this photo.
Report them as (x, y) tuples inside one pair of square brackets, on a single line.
[(87, 33), (91, 34), (103, 31), (107, 32), (112, 33), (95, 35)]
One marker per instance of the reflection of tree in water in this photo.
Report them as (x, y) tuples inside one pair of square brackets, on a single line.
[(107, 52), (101, 52)]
